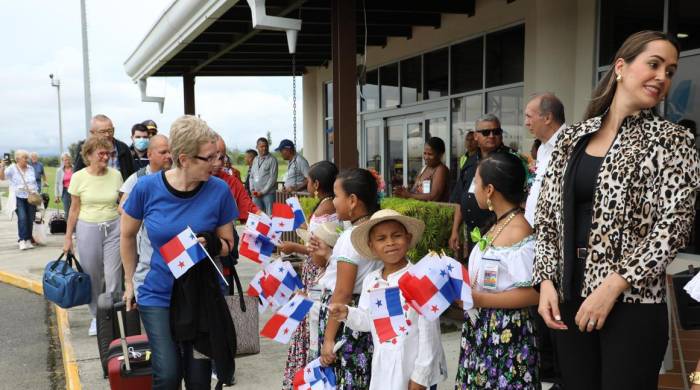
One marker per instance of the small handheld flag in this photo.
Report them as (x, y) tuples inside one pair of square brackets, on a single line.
[(315, 377), (182, 252), (299, 218), (387, 313), (282, 217), (282, 324)]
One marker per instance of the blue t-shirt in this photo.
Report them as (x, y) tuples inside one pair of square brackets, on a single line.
[(38, 172), (164, 216)]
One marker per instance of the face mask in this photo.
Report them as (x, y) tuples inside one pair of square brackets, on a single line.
[(141, 144)]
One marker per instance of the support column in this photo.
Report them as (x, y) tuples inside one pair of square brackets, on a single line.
[(344, 44), (188, 86)]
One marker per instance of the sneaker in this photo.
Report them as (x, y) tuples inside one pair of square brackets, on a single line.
[(93, 328), (22, 245), (28, 244)]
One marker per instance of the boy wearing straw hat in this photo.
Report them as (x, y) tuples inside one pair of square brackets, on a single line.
[(414, 360)]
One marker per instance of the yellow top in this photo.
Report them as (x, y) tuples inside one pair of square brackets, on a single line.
[(98, 194)]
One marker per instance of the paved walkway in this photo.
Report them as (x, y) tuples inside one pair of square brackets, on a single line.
[(261, 371)]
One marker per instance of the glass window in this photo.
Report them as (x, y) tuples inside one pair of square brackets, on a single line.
[(685, 89), (370, 91), (411, 90), (395, 133), (389, 79), (505, 56), (437, 127), (507, 105), (435, 73), (416, 142), (329, 100), (374, 148), (328, 131), (465, 111), (684, 23), (467, 59), (621, 18)]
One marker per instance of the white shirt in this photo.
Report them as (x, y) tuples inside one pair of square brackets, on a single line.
[(416, 356), (344, 251), (500, 269), (544, 154)]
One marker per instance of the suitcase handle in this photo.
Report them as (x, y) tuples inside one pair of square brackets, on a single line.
[(122, 337)]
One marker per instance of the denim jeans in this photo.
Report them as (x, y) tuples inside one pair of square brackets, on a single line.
[(66, 199), (172, 361), (25, 219), (265, 202)]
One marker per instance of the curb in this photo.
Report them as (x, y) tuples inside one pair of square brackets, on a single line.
[(70, 367)]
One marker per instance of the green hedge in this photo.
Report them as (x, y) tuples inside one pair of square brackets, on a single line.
[(437, 217)]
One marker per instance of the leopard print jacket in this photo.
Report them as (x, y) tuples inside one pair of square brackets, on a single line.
[(643, 206)]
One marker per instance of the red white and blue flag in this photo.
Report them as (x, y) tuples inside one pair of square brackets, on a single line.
[(280, 282), (255, 290), (182, 252), (387, 314), (282, 217), (256, 247), (299, 218), (260, 224), (427, 287), (459, 279), (282, 324), (315, 377)]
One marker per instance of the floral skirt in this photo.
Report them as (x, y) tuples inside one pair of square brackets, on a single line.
[(499, 351), (297, 355), (353, 367)]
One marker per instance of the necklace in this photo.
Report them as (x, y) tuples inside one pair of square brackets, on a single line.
[(360, 220), (498, 229), (516, 208)]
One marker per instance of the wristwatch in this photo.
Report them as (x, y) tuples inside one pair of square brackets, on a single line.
[(694, 377)]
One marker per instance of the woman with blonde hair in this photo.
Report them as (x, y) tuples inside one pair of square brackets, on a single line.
[(63, 177), (23, 185), (93, 217), (616, 205)]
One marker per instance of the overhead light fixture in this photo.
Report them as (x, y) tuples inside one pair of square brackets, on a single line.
[(682, 35)]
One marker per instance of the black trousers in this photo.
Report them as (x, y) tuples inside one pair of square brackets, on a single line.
[(625, 354)]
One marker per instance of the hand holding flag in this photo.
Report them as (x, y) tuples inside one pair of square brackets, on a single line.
[(282, 324), (315, 377)]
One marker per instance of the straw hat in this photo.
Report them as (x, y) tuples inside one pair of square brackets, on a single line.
[(360, 235), (326, 232)]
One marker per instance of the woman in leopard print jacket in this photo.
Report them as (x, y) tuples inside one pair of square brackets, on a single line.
[(616, 205)]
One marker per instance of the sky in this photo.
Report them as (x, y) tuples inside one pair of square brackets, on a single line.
[(40, 37)]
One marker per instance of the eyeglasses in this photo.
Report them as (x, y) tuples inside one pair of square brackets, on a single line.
[(106, 154), (488, 132), (109, 130), (209, 159)]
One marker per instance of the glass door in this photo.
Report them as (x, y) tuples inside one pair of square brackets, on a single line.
[(374, 147), (395, 134), (415, 141)]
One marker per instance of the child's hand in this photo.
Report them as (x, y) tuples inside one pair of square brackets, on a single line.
[(415, 386), (319, 248), (337, 311), (327, 354)]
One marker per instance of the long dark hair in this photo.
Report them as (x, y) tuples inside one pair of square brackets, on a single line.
[(506, 173), (635, 44), (325, 173), (360, 182)]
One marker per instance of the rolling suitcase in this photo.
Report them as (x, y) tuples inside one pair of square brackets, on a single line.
[(107, 326), (57, 223), (129, 367)]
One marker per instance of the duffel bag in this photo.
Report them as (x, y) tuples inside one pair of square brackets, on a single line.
[(65, 286)]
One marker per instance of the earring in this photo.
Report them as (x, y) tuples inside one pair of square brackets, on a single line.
[(315, 194), (618, 78), (489, 204)]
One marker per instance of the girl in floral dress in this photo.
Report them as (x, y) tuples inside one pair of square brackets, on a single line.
[(348, 351), (303, 346), (498, 349)]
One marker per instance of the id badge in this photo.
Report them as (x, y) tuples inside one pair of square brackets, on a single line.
[(490, 274), (472, 187), (426, 186)]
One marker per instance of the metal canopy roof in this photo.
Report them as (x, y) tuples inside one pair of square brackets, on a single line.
[(229, 46)]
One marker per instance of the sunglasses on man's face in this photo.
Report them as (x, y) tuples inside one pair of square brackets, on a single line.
[(489, 132)]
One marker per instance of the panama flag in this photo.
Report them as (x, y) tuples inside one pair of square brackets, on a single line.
[(255, 290), (282, 217), (280, 282), (315, 377), (387, 314), (282, 324), (256, 247), (182, 252), (427, 288), (459, 279), (260, 224), (299, 218)]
